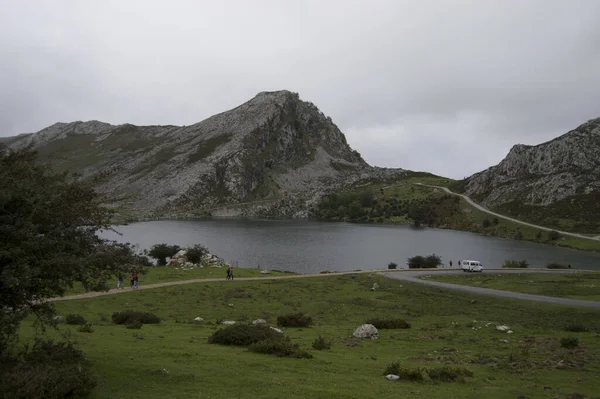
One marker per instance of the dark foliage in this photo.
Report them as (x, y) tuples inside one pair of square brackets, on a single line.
[(392, 265), (515, 264), (294, 320), (133, 316), (74, 319), (243, 335), (553, 235), (389, 323), (424, 374), (280, 346), (49, 370), (161, 252), (569, 342), (321, 344), (195, 253), (86, 328), (575, 327), (556, 266), (424, 262)]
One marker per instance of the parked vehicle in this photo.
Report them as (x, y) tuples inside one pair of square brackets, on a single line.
[(471, 266)]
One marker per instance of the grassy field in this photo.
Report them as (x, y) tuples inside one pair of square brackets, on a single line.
[(448, 328), (584, 286)]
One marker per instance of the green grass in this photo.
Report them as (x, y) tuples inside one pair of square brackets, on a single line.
[(448, 329), (584, 286)]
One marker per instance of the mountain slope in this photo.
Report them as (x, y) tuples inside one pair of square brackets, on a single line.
[(556, 183), (275, 150)]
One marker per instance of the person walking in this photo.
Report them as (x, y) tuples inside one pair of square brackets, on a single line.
[(136, 284), (132, 279), (228, 273), (450, 263), (120, 281)]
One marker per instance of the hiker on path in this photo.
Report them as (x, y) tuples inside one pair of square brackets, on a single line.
[(135, 282), (132, 279), (450, 263), (229, 273), (120, 281)]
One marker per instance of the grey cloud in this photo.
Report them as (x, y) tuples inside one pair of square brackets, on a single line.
[(463, 78)]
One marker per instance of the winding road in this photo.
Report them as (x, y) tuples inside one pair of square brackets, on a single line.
[(411, 276), (483, 209)]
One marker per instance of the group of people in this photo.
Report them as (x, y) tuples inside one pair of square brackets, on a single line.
[(229, 273), (133, 278)]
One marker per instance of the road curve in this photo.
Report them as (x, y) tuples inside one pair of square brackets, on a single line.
[(413, 277), (483, 209)]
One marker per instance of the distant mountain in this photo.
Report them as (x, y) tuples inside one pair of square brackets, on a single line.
[(556, 183), (273, 155)]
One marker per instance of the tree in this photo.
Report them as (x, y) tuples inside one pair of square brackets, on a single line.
[(196, 253), (424, 262), (392, 265), (486, 223), (553, 235), (48, 240), (161, 252)]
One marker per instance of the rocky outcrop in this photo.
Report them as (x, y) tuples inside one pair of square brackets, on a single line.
[(273, 155), (556, 184), (366, 331), (543, 174)]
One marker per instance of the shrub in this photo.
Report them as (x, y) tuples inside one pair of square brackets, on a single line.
[(576, 328), (49, 370), (422, 374), (281, 346), (132, 316), (514, 264), (75, 319), (553, 235), (486, 223), (392, 265), (163, 251), (495, 221), (389, 323), (518, 235), (569, 342), (424, 262), (195, 253), (321, 344), (86, 328), (294, 320), (556, 266), (243, 335), (134, 325)]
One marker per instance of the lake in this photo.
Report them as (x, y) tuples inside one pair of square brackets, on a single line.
[(311, 247)]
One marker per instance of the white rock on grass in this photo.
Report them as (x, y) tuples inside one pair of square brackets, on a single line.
[(502, 328), (228, 322), (392, 377), (276, 329), (259, 321), (199, 320), (366, 331)]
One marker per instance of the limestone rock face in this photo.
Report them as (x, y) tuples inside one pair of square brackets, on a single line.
[(543, 174), (273, 155)]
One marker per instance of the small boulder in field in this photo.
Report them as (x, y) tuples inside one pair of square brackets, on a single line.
[(228, 322), (199, 320), (259, 321), (392, 377), (366, 331), (276, 329)]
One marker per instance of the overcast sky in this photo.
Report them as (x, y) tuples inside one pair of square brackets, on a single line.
[(446, 86)]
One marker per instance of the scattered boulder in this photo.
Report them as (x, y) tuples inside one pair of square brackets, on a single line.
[(199, 320), (502, 328), (265, 272), (276, 329), (228, 322), (374, 287), (392, 377), (366, 331), (259, 321), (57, 319), (504, 341)]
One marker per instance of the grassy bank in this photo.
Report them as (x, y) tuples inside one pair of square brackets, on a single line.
[(585, 286), (406, 203), (447, 329)]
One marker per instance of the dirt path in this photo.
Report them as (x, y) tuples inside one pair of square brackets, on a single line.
[(404, 275), (481, 208), (413, 277)]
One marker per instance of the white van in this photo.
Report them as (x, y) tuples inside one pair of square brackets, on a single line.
[(471, 266)]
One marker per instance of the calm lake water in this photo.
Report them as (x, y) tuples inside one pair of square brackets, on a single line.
[(310, 247)]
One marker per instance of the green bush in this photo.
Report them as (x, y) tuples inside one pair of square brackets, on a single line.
[(195, 253), (514, 264), (86, 328), (392, 265), (569, 342), (133, 316), (553, 235), (422, 374), (243, 335), (321, 344), (389, 323), (576, 328), (134, 325), (280, 346), (294, 320), (424, 262), (161, 252), (486, 223), (49, 370), (74, 319), (556, 266)]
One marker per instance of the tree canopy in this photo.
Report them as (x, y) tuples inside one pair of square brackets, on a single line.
[(48, 239)]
